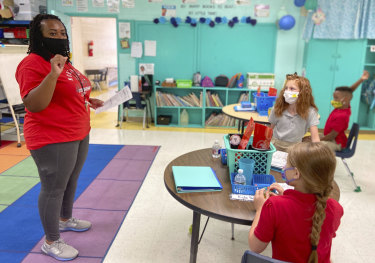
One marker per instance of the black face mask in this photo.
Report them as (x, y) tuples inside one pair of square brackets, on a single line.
[(56, 46)]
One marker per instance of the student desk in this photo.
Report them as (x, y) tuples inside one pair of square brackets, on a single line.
[(214, 204), (244, 116)]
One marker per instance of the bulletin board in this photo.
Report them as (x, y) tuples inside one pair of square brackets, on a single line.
[(185, 50)]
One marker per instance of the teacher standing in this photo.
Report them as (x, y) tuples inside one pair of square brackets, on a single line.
[(56, 128)]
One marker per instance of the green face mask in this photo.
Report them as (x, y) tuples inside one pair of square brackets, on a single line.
[(336, 104)]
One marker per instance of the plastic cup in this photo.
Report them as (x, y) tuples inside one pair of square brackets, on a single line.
[(247, 165), (262, 137)]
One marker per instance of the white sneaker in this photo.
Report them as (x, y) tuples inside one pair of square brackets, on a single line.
[(74, 224), (60, 250)]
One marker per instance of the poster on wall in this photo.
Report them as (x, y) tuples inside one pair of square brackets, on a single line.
[(146, 68), (124, 30), (218, 2), (128, 3), (262, 10), (168, 10), (155, 1), (67, 3), (136, 50), (82, 5), (113, 6), (242, 2), (150, 48), (189, 1), (98, 3)]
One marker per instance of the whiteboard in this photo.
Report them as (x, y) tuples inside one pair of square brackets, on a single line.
[(8, 66)]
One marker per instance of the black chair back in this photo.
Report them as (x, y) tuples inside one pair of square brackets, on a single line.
[(252, 257), (351, 144)]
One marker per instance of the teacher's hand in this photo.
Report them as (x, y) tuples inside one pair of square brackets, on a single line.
[(57, 64), (95, 103)]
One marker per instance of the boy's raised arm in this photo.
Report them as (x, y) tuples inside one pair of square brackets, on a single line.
[(364, 77)]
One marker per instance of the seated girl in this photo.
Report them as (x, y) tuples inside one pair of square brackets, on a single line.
[(294, 113), (299, 223)]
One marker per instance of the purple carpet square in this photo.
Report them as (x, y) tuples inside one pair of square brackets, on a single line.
[(137, 152), (123, 169), (38, 257), (108, 195), (96, 241)]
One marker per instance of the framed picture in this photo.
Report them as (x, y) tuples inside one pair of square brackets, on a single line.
[(124, 43)]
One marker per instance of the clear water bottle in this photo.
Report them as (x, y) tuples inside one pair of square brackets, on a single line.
[(240, 178), (216, 149)]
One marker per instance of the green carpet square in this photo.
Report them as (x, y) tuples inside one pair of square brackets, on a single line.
[(24, 168), (13, 188)]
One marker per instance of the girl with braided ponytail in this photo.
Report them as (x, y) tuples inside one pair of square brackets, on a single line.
[(299, 223)]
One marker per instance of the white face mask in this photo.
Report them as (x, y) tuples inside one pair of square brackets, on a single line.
[(291, 96)]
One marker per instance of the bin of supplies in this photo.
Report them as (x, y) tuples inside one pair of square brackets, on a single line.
[(263, 102)]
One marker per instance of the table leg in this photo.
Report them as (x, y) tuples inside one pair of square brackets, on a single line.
[(195, 237), (242, 126)]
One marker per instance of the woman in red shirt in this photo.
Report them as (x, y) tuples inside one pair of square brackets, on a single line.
[(56, 128), (299, 223)]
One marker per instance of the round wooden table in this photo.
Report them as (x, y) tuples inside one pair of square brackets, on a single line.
[(214, 204), (243, 116)]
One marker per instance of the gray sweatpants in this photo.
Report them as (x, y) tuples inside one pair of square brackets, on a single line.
[(59, 166)]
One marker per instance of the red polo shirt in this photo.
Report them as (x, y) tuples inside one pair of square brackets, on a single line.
[(338, 121), (286, 221), (66, 118)]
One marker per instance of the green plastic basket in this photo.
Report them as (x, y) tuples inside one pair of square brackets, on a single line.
[(262, 158), (184, 83)]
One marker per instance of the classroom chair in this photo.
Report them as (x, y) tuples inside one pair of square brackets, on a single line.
[(252, 257), (349, 151)]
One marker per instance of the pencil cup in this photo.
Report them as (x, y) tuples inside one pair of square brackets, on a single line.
[(247, 165)]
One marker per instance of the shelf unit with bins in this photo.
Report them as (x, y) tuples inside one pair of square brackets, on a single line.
[(366, 116), (197, 115), (24, 24)]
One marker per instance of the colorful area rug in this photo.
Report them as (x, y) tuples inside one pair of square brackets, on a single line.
[(107, 187)]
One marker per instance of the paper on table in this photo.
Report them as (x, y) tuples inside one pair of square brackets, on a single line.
[(136, 50), (150, 48), (279, 159), (120, 97)]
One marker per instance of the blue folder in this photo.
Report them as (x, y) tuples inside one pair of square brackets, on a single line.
[(190, 179)]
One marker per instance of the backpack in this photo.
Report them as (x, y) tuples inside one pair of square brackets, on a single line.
[(236, 81), (233, 81), (368, 93), (207, 82), (221, 81)]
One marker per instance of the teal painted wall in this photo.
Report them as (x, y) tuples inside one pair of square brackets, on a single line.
[(289, 44)]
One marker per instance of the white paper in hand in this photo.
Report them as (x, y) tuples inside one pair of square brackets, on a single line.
[(120, 97)]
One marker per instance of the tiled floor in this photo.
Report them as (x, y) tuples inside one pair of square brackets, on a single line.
[(156, 228)]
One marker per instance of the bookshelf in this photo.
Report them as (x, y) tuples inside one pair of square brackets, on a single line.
[(170, 101)]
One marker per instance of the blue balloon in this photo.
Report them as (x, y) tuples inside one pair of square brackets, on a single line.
[(243, 19), (178, 20), (194, 21), (224, 20), (208, 20), (287, 22), (162, 20), (299, 3), (218, 19)]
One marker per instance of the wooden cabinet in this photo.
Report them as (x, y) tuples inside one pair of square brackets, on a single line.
[(330, 64)]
